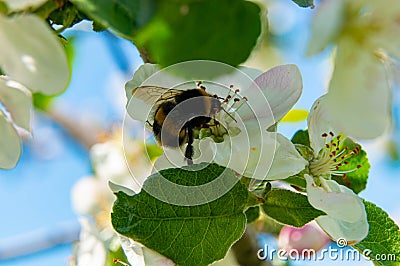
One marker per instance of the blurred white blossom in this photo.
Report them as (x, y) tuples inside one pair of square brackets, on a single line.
[(92, 197), (366, 33), (32, 60), (17, 102), (18, 5)]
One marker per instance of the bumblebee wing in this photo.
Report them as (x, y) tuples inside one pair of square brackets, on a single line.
[(152, 94), (148, 94), (146, 101)]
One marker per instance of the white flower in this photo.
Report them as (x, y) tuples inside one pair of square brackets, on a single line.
[(33, 60), (17, 101), (87, 196), (31, 54), (111, 163), (139, 255), (346, 216), (325, 142), (241, 140), (280, 88), (90, 250), (363, 31), (18, 5), (92, 198)]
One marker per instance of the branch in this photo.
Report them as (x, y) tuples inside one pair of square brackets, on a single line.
[(246, 249), (85, 132), (144, 54), (39, 240)]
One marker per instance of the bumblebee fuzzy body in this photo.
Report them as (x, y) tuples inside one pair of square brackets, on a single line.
[(177, 116)]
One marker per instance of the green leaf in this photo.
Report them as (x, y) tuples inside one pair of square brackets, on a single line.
[(271, 226), (98, 27), (41, 101), (189, 235), (305, 3), (3, 7), (289, 208), (296, 181), (355, 180), (67, 15), (252, 214), (223, 30), (383, 238), (123, 16), (301, 137), (153, 151)]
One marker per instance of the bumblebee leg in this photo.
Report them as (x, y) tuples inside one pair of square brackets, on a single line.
[(147, 121), (189, 147)]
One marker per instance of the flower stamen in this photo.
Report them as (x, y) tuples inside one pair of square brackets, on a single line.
[(333, 157), (220, 123)]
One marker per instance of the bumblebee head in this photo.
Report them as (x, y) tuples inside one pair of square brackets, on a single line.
[(215, 104)]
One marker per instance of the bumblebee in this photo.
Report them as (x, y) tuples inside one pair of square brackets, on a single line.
[(176, 114)]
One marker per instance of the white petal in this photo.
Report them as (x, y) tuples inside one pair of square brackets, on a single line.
[(353, 232), (339, 202), (287, 161), (18, 102), (9, 143), (319, 122), (133, 251), (141, 75), (153, 258), (109, 161), (86, 196), (250, 154), (241, 78), (234, 153), (359, 95), (327, 21), (18, 5), (387, 37), (174, 159), (31, 54), (251, 72), (276, 90), (90, 249), (117, 188), (346, 216)]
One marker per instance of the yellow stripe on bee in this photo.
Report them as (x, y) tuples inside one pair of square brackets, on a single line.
[(160, 116), (295, 115)]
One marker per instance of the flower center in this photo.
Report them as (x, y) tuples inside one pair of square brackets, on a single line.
[(362, 21), (224, 122), (332, 157)]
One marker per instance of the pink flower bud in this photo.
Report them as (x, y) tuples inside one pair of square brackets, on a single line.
[(309, 236)]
